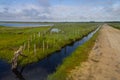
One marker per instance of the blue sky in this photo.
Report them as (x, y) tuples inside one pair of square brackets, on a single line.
[(59, 10)]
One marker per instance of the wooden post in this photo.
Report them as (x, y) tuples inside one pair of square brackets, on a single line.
[(40, 44), (35, 49), (28, 46), (34, 36), (31, 38), (43, 45), (24, 46), (54, 40), (39, 34), (15, 58), (47, 45)]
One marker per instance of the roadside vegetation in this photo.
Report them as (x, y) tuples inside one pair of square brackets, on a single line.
[(39, 42), (115, 25), (75, 59)]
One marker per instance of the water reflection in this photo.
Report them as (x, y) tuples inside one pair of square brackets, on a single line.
[(26, 24), (19, 73)]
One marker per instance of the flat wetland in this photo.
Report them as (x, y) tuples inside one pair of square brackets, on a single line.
[(42, 42), (45, 41)]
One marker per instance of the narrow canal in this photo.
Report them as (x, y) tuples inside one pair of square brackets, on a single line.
[(41, 69)]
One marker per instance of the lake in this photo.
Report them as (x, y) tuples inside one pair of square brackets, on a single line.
[(25, 24)]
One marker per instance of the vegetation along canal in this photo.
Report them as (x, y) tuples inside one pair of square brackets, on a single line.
[(41, 69)]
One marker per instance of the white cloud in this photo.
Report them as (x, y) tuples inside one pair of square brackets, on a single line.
[(49, 12)]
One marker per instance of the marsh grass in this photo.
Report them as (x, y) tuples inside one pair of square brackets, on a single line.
[(11, 38), (115, 25)]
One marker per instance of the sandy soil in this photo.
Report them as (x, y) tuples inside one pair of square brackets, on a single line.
[(104, 59)]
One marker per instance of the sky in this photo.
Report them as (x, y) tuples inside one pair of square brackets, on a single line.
[(60, 10)]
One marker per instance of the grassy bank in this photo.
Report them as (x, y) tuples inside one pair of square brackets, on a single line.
[(115, 25), (80, 55), (39, 42), (12, 37)]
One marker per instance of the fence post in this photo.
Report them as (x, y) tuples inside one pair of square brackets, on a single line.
[(39, 34), (28, 45), (43, 45), (34, 36), (17, 53), (35, 49), (31, 38), (47, 45), (24, 46)]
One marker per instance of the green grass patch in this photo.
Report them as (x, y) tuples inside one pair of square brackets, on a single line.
[(115, 25), (78, 56)]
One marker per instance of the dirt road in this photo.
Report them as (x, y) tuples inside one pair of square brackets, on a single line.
[(104, 59)]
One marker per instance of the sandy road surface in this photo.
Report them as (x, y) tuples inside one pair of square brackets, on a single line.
[(104, 59)]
